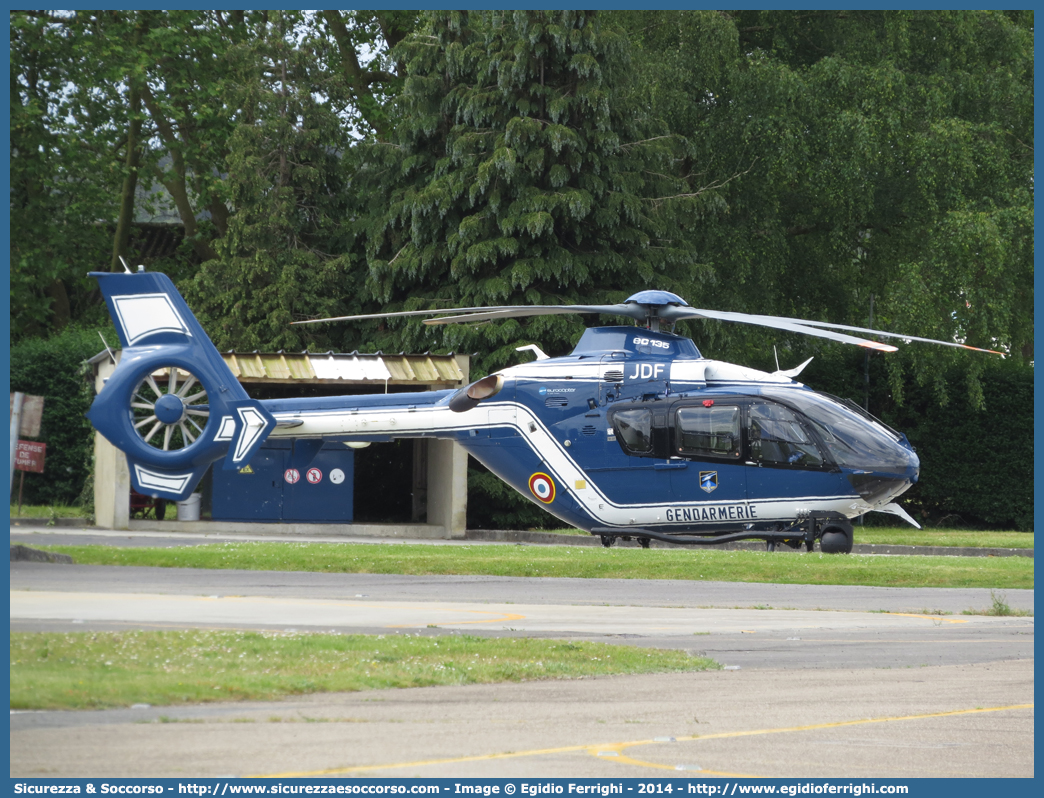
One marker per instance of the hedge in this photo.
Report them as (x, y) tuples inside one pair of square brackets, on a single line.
[(54, 369), (976, 465)]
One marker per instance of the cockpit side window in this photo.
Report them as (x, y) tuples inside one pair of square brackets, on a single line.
[(778, 438), (708, 431), (634, 429)]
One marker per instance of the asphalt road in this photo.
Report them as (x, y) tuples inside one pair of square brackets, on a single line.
[(822, 681)]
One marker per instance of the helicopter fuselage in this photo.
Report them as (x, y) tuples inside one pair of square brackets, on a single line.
[(635, 430)]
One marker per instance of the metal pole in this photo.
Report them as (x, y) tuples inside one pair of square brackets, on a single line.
[(866, 378), (16, 425), (866, 364)]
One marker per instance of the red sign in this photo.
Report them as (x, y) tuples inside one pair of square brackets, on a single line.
[(291, 475), (30, 456), (314, 476)]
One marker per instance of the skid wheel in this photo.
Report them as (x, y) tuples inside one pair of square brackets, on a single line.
[(836, 540), (608, 541), (644, 542)]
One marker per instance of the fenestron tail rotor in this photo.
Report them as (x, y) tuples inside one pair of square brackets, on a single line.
[(170, 408)]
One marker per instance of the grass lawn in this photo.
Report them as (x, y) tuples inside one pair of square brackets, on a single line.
[(46, 511), (93, 670), (579, 562), (908, 536)]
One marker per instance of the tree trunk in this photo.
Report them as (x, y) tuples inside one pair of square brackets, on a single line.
[(132, 161), (61, 312)]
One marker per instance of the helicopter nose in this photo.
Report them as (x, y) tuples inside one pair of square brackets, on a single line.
[(877, 490), (890, 478)]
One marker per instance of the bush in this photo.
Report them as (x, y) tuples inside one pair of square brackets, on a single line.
[(54, 369)]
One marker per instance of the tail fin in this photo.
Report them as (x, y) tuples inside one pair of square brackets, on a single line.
[(172, 405)]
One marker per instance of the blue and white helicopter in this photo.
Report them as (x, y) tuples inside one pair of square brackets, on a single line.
[(633, 435)]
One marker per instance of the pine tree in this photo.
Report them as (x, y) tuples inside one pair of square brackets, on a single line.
[(519, 174)]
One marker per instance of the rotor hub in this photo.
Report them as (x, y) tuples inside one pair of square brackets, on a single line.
[(170, 409), (656, 298)]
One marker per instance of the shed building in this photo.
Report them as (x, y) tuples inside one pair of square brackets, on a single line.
[(437, 484)]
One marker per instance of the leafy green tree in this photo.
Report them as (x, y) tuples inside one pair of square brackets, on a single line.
[(362, 56), (128, 114), (60, 181), (893, 162)]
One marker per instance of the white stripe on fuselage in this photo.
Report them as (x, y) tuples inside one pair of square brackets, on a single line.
[(404, 422)]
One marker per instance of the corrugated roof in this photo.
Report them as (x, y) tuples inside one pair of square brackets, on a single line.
[(311, 367)]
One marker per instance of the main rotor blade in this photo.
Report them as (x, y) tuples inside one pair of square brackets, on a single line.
[(900, 335), (805, 324), (388, 315), (676, 314), (487, 313), (492, 314)]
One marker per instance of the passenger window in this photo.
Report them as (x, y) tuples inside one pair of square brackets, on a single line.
[(776, 436), (634, 429), (713, 431)]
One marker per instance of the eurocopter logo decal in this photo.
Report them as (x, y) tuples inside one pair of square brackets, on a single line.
[(543, 487), (543, 390), (708, 480)]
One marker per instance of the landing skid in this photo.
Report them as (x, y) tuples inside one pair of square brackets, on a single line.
[(833, 531)]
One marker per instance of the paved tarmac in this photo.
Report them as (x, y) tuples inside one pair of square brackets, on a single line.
[(751, 625), (965, 721), (834, 681)]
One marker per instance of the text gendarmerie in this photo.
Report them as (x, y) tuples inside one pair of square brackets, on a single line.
[(718, 512)]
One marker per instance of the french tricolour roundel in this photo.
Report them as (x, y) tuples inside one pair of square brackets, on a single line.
[(543, 487)]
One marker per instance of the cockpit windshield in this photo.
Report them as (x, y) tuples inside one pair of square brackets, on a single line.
[(854, 441)]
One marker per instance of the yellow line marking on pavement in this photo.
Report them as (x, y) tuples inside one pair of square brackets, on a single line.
[(450, 761), (840, 723), (618, 747), (501, 616), (929, 617), (623, 758)]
